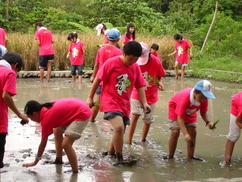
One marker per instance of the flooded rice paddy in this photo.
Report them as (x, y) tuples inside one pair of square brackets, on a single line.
[(23, 141)]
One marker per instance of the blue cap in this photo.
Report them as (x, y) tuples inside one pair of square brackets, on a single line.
[(206, 88), (113, 34)]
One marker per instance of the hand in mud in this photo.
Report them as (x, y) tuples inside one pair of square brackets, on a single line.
[(23, 122), (29, 164), (23, 117)]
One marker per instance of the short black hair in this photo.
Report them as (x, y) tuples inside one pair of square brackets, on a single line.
[(38, 24), (155, 46), (14, 58), (178, 37), (72, 35), (133, 48), (34, 106)]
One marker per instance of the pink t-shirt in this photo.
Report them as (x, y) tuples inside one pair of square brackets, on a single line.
[(151, 72), (126, 39), (62, 113), (156, 54), (119, 80), (182, 52), (2, 36), (45, 38), (183, 104), (7, 84), (236, 105), (106, 52), (77, 53)]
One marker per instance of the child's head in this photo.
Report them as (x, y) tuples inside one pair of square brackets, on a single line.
[(144, 58), (38, 25), (14, 60), (113, 35), (203, 91), (132, 51), (178, 37), (154, 48), (101, 28), (72, 37), (130, 30)]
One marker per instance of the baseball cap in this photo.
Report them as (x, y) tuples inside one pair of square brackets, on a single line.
[(143, 59), (113, 34), (206, 88)]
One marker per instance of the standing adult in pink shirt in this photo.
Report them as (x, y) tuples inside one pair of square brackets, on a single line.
[(182, 115), (64, 116), (104, 53), (9, 65), (181, 50), (46, 50), (3, 37)]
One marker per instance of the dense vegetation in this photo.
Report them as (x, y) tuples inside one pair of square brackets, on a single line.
[(154, 18)]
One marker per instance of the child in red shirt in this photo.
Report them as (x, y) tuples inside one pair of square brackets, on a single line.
[(182, 115), (129, 34), (119, 75), (3, 37), (64, 116), (154, 50), (152, 71), (182, 47), (76, 54)]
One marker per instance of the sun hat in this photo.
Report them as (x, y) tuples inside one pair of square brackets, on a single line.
[(113, 34), (99, 28), (3, 51), (143, 59), (206, 88)]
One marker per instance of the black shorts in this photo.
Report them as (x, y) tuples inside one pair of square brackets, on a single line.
[(43, 60), (79, 69), (111, 115)]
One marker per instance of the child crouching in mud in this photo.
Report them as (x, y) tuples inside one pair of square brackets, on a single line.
[(64, 116)]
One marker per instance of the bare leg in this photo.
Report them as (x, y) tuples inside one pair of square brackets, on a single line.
[(41, 73), (73, 77), (173, 142), (183, 72), (176, 71), (95, 108), (80, 78), (58, 144), (229, 147), (133, 123), (49, 70), (70, 152), (191, 145), (146, 128)]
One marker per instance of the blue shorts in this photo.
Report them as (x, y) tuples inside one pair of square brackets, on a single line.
[(43, 60), (99, 90), (79, 69), (180, 64), (111, 115)]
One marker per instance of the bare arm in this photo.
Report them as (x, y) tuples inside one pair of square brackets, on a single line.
[(141, 92), (204, 116), (92, 92), (95, 70), (183, 128), (160, 84), (171, 54)]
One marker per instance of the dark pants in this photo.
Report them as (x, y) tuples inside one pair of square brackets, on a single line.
[(2, 147)]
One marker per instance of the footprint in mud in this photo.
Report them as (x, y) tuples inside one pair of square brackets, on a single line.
[(25, 150)]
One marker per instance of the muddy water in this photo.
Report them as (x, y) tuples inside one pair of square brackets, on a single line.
[(22, 142)]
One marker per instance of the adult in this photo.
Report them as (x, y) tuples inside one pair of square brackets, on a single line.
[(3, 37)]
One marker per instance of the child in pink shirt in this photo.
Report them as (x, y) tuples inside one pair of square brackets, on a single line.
[(46, 50), (154, 50), (76, 50), (152, 71), (235, 127), (119, 76), (104, 53), (129, 34), (3, 37), (182, 47), (182, 115), (9, 65), (64, 116)]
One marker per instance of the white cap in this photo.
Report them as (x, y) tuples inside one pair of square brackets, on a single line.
[(143, 59)]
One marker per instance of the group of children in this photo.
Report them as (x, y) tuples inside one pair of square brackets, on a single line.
[(124, 81)]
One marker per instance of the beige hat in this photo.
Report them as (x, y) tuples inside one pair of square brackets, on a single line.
[(143, 59)]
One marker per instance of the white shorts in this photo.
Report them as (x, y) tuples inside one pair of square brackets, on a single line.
[(136, 109), (234, 130), (75, 129), (175, 126), (181, 64)]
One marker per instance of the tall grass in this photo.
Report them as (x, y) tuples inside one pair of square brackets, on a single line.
[(25, 45)]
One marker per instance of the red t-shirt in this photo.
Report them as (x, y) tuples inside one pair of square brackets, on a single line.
[(45, 38), (106, 52), (182, 52), (126, 39), (62, 113), (183, 104), (156, 54), (151, 72), (236, 105), (119, 80), (2, 36), (7, 84), (77, 53)]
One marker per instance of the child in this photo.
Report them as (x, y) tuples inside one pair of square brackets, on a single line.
[(46, 50), (152, 71), (3, 37), (64, 116), (76, 50), (154, 50), (182, 58), (130, 33), (102, 30), (108, 51), (9, 65), (182, 115), (119, 75), (235, 127)]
